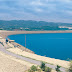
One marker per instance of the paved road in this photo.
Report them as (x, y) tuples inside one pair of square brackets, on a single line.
[(28, 59)]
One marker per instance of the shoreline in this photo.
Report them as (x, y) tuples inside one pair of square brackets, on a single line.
[(22, 47), (4, 34)]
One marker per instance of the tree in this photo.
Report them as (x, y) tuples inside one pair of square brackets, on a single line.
[(34, 68), (47, 69), (42, 66), (58, 68)]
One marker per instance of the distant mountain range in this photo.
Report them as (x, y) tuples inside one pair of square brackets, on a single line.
[(30, 25)]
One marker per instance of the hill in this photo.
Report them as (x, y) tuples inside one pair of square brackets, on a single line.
[(31, 25)]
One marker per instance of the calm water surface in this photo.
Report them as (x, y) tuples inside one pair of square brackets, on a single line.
[(54, 45)]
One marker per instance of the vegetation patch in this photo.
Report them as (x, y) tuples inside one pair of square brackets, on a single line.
[(43, 68)]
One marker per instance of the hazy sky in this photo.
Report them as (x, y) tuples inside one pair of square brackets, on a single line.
[(44, 10)]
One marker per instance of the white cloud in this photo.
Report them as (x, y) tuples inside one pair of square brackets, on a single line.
[(6, 16), (37, 3), (69, 12), (38, 10), (68, 1)]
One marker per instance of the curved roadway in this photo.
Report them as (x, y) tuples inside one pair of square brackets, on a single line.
[(28, 59)]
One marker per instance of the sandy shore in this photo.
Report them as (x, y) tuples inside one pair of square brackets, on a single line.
[(11, 64), (4, 34)]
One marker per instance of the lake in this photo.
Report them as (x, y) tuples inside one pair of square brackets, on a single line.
[(54, 45)]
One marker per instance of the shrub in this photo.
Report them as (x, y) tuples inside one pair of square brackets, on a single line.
[(34, 68), (70, 68), (38, 70), (29, 70), (47, 69), (58, 68), (42, 66)]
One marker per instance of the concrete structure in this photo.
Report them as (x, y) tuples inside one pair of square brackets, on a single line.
[(10, 41)]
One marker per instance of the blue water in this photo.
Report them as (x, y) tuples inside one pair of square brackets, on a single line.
[(54, 45)]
